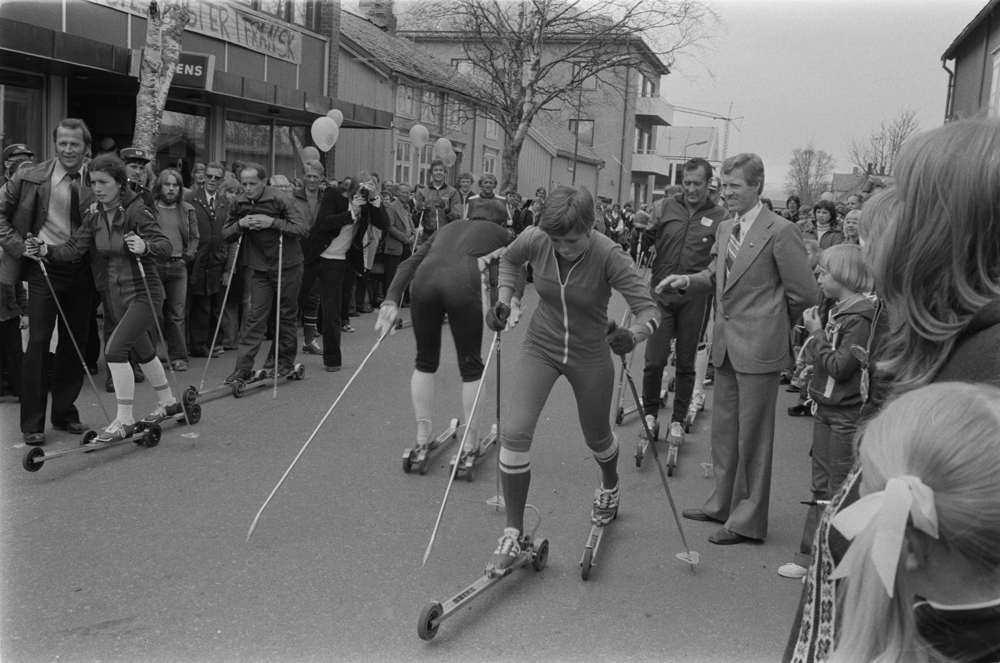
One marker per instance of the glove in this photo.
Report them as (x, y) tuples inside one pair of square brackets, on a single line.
[(496, 317), (621, 340), (388, 313)]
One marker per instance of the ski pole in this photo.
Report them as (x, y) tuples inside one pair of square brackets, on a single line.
[(222, 313), (253, 525), (277, 315), (689, 557), (497, 500), (163, 340), (76, 346), (454, 468)]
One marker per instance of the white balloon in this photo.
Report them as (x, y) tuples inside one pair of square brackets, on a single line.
[(309, 154), (449, 159), (441, 147), (419, 136), (336, 116), (325, 133)]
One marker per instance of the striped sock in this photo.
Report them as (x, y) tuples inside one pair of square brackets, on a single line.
[(153, 370), (515, 478)]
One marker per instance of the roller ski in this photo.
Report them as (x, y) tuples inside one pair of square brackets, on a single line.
[(262, 377), (697, 405), (178, 412), (605, 510), (468, 457), (115, 434), (416, 458), (653, 428), (513, 552), (675, 438)]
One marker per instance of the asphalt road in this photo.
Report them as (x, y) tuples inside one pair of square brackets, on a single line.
[(135, 554)]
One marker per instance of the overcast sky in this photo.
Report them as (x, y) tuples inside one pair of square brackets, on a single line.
[(819, 70)]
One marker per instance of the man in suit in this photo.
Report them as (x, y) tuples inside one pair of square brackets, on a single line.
[(762, 281), (205, 290), (47, 201)]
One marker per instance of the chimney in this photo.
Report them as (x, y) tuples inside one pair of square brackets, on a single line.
[(379, 12)]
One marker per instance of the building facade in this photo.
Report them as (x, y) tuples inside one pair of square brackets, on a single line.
[(974, 80), (257, 74)]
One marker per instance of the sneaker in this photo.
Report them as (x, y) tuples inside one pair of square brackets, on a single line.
[(312, 348), (792, 570), (605, 506), (698, 400), (117, 430), (348, 329), (218, 351), (508, 548), (163, 412), (269, 362), (239, 374), (179, 365), (651, 425), (709, 376), (285, 370), (675, 434)]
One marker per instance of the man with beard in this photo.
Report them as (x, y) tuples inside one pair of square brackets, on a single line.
[(179, 223)]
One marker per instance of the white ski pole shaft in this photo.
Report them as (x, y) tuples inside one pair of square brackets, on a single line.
[(277, 315), (454, 469), (326, 416), (222, 314)]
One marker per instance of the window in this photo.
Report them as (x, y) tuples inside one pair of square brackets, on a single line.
[(402, 171), (586, 131), (300, 12), (995, 90), (492, 128), (424, 167), (589, 83), (404, 101), (647, 87), (490, 161), (289, 141), (643, 141), (21, 115), (455, 114), (182, 142), (247, 139), (430, 109)]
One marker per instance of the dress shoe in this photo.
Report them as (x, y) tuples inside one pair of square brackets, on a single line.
[(199, 352), (332, 369), (800, 410), (109, 386), (726, 538), (34, 439), (698, 514), (74, 427)]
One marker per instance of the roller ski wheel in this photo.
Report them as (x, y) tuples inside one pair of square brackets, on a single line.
[(671, 460), (418, 457), (298, 372), (151, 436), (469, 457), (194, 413), (649, 434), (620, 416), (539, 554), (239, 388), (671, 384), (427, 627), (33, 459), (190, 396), (586, 563), (593, 545)]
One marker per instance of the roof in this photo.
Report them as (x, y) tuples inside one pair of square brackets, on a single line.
[(843, 182), (689, 142), (949, 54), (558, 140), (402, 57)]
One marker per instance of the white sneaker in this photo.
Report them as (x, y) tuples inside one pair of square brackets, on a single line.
[(698, 400), (675, 434), (792, 570), (651, 425)]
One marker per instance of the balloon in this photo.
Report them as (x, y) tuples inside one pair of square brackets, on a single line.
[(441, 147), (450, 158), (336, 116), (325, 133), (309, 154), (419, 136)]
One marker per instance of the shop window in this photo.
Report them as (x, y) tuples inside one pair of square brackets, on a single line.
[(586, 131), (248, 141), (21, 119), (182, 142), (402, 161), (289, 141)]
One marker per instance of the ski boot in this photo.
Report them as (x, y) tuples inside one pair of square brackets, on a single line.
[(115, 432), (472, 452)]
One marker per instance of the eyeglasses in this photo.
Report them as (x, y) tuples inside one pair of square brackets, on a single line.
[(214, 177)]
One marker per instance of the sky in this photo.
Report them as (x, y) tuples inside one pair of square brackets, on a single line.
[(820, 71)]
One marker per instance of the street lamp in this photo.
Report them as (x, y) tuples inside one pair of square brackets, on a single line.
[(685, 153)]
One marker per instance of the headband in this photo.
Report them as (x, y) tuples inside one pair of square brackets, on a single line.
[(886, 513)]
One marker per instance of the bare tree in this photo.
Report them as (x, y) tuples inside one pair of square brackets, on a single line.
[(164, 33), (809, 174), (877, 153), (531, 56)]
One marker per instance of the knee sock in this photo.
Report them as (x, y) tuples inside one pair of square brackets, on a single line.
[(121, 374), (153, 370), (422, 392), (515, 478), (608, 461), (468, 399), (700, 366), (309, 328)]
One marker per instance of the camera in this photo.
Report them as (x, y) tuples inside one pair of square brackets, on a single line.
[(365, 193)]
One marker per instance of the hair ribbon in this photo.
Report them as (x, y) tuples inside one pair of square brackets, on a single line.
[(886, 513)]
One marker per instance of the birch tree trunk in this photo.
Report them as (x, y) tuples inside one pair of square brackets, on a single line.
[(164, 34)]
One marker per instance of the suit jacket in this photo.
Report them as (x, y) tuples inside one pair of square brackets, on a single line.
[(205, 276), (769, 287), (24, 204)]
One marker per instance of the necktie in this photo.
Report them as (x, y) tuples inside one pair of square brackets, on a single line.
[(211, 207), (734, 247), (74, 200)]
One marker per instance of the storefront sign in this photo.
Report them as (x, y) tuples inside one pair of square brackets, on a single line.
[(229, 22), (195, 70)]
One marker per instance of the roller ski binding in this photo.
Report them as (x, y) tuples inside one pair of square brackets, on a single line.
[(605, 510), (180, 412), (467, 458), (526, 550), (675, 438), (653, 426), (115, 434), (417, 457)]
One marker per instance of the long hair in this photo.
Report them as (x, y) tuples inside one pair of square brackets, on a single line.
[(946, 435), (939, 262), (110, 164), (162, 178)]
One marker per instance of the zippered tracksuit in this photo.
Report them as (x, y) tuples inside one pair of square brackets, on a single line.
[(567, 337)]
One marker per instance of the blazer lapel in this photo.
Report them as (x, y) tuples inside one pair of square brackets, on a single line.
[(750, 247)]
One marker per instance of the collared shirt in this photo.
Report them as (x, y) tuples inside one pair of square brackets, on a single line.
[(746, 220), (57, 228)]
